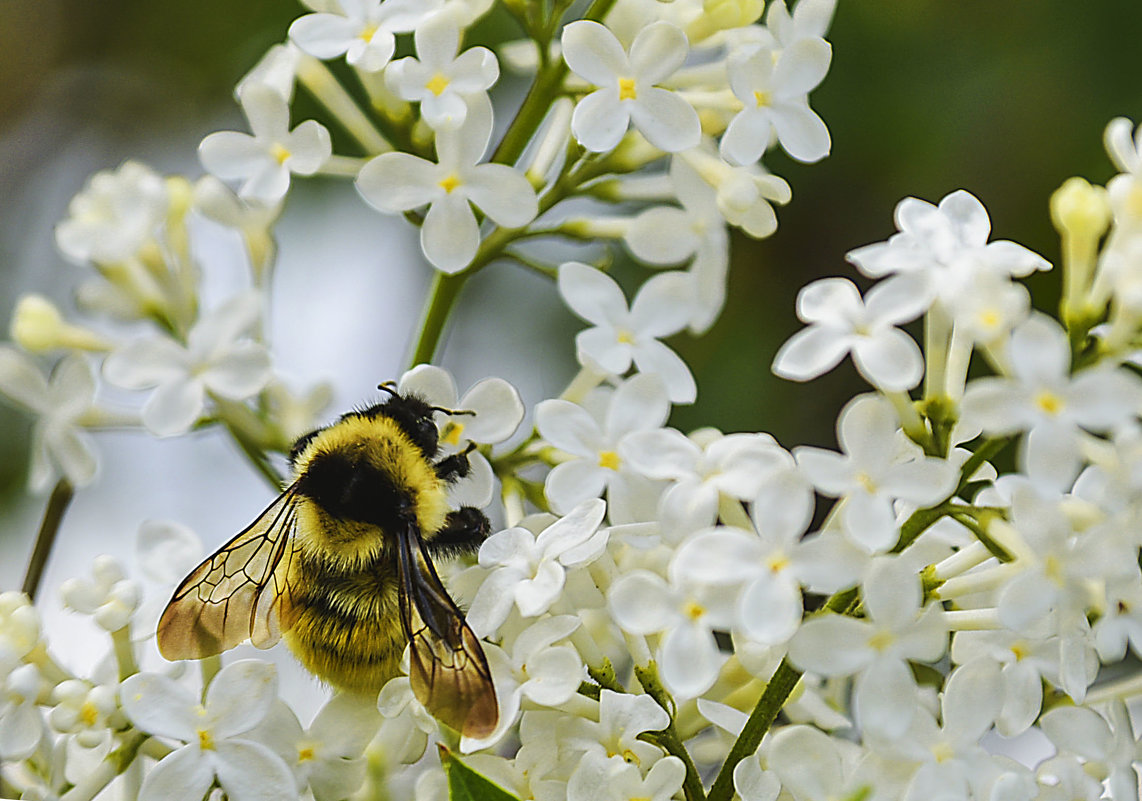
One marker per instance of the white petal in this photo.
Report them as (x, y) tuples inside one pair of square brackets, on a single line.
[(499, 411), (503, 194), (747, 136), (250, 771), (1039, 350), (184, 775), (450, 235), (770, 608), (638, 404), (753, 783), (658, 51), (827, 299), (1079, 730), (642, 603), (158, 705), (573, 529), (146, 363), (655, 358), (884, 697), (833, 645), (395, 182), (662, 235), (973, 695), (241, 696), (600, 348), (812, 351), (968, 217), (802, 133), (310, 147), (689, 659), (593, 52), (231, 155), (802, 66), (534, 596), (891, 360), (592, 294), (807, 762), (870, 522), (600, 120), (664, 305), (242, 372), (568, 426), (666, 120), (174, 407), (323, 35), (22, 381), (554, 675), (661, 453)]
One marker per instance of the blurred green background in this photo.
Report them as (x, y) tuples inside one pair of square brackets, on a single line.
[(1005, 99)]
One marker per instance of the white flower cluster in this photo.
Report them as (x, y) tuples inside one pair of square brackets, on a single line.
[(664, 614)]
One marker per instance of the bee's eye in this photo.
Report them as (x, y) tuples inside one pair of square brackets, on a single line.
[(428, 430)]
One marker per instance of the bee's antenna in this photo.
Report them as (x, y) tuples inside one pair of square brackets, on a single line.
[(389, 387), (452, 411)]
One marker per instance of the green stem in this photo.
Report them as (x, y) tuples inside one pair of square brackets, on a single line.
[(53, 515), (784, 679), (917, 523), (668, 738), (539, 99), (124, 653), (983, 453), (441, 300)]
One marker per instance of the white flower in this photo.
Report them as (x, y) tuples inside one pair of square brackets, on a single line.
[(643, 603), (823, 776), (870, 475), (877, 648), (21, 725), (528, 571), (216, 733), (628, 90), (598, 779), (166, 550), (362, 31), (614, 739), (773, 86), (810, 20), (488, 413), (264, 161), (114, 216), (85, 710), (945, 247), (840, 322), (111, 598), (1108, 746), (328, 756), (19, 629), (703, 468), (64, 404), (440, 80), (536, 670), (1024, 662), (214, 359), (1042, 398), (663, 306), (276, 69), (639, 403), (664, 235), (450, 235)]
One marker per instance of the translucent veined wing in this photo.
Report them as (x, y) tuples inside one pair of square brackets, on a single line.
[(447, 668), (235, 594)]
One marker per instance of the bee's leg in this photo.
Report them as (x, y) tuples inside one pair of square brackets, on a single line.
[(455, 466), (462, 533)]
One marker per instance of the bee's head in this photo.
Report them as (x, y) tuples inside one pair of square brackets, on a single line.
[(414, 416)]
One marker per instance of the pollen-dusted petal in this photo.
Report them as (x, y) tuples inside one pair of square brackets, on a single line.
[(593, 52), (250, 771), (658, 51), (159, 705), (184, 775), (450, 235), (600, 120), (241, 696), (396, 182), (666, 120)]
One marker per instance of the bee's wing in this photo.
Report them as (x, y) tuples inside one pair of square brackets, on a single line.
[(236, 593), (447, 668)]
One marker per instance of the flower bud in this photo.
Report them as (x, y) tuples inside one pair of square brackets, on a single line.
[(37, 326)]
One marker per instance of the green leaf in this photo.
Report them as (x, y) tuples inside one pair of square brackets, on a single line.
[(465, 784)]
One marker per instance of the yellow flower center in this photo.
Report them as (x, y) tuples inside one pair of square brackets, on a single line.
[(366, 34), (609, 460), (625, 336), (865, 480), (989, 318), (88, 713), (943, 752), (452, 433), (693, 610), (626, 89), (762, 99), (1049, 402), (881, 640), (1020, 651), (304, 754), (777, 562), (450, 182), (437, 85), (280, 153), (205, 740)]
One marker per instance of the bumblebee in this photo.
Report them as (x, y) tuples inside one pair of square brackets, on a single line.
[(340, 567)]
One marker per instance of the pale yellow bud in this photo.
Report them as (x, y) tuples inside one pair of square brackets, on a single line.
[(37, 326), (1079, 209), (722, 15)]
